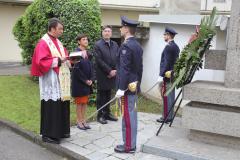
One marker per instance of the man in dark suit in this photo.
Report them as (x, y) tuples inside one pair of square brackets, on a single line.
[(169, 56), (106, 53), (129, 71)]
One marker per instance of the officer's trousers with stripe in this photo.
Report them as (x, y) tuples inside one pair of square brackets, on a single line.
[(168, 101), (129, 121)]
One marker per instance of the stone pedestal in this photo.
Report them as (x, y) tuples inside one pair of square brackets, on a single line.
[(222, 120), (232, 77), (179, 143), (210, 124), (215, 107)]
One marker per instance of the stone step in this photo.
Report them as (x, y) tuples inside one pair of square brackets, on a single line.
[(174, 143), (223, 120), (212, 92), (215, 59)]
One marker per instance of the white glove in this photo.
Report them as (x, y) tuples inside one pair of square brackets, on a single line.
[(160, 79), (119, 93)]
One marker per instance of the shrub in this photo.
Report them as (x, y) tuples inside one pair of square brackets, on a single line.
[(78, 16)]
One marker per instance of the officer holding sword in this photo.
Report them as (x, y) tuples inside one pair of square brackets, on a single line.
[(129, 71), (169, 57)]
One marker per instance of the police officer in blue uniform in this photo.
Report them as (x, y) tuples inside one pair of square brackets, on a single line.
[(129, 69), (169, 56)]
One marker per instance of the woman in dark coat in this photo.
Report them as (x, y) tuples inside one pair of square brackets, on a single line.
[(82, 79)]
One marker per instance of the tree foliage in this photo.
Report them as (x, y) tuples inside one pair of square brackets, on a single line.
[(78, 16)]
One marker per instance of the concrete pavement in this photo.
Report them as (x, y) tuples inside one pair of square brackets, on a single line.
[(13, 68), (98, 143), (15, 147)]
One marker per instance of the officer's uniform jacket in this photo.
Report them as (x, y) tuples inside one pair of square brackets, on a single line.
[(169, 56), (129, 64)]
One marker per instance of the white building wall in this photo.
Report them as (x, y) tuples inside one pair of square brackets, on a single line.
[(153, 50), (9, 46), (179, 7), (222, 5), (9, 13), (142, 3), (112, 17), (221, 43)]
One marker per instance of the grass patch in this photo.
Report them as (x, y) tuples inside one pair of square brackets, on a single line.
[(20, 103), (148, 106)]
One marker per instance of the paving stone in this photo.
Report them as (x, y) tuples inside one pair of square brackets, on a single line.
[(92, 147), (99, 142), (121, 155), (94, 136), (81, 142), (117, 142), (95, 126), (97, 156), (108, 151), (72, 138), (116, 135), (76, 148), (112, 127), (74, 130), (112, 158), (104, 142), (143, 156)]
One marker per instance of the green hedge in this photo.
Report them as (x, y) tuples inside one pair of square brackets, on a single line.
[(78, 16)]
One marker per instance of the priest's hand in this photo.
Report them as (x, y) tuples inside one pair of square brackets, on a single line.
[(89, 82), (119, 93), (63, 59), (112, 73)]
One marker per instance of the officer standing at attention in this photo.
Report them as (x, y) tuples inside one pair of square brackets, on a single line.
[(169, 56), (129, 70)]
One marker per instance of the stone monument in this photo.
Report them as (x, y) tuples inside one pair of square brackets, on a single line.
[(210, 125), (214, 110)]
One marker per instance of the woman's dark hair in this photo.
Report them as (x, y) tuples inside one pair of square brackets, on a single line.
[(53, 22), (80, 36)]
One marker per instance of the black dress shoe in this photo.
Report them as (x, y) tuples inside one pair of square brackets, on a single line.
[(50, 140), (122, 149), (110, 117), (161, 120), (102, 120), (66, 136)]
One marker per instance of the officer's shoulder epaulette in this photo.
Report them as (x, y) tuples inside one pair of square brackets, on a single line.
[(125, 43), (171, 43)]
